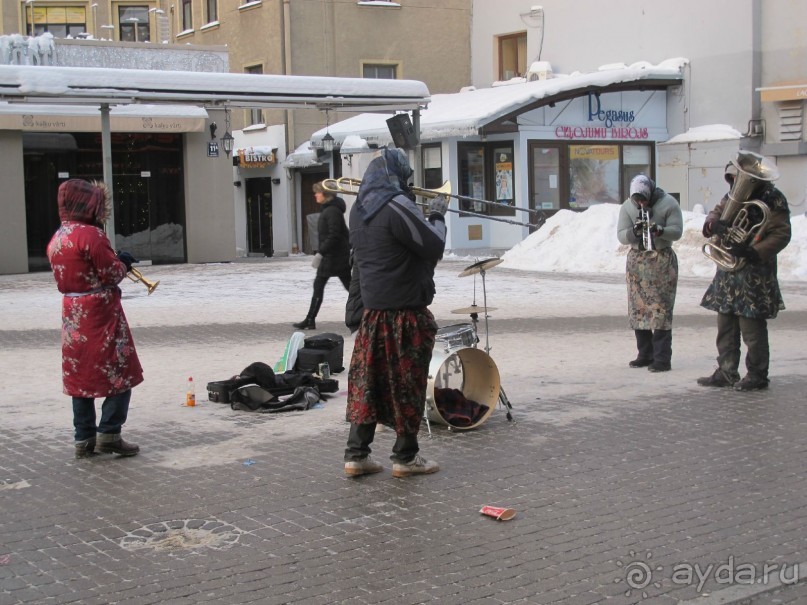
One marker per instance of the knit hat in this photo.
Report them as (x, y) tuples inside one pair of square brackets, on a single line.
[(642, 186)]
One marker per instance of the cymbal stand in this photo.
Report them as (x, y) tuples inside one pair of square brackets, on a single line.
[(503, 400)]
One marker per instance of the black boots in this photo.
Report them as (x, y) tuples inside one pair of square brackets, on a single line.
[(114, 444), (86, 448), (307, 324)]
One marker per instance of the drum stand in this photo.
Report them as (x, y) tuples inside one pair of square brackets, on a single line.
[(481, 268)]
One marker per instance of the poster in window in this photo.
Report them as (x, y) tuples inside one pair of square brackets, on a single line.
[(504, 178), (593, 175)]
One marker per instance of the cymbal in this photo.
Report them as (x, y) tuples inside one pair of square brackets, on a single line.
[(471, 309), (482, 265)]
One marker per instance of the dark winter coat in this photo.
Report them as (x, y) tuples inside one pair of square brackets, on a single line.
[(753, 291), (334, 239), (354, 307)]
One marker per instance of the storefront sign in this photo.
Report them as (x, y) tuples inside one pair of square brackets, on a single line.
[(252, 157), (607, 117), (600, 132)]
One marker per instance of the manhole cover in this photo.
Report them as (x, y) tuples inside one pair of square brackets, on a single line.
[(182, 537)]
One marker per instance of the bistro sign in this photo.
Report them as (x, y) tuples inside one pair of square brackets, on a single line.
[(257, 157), (600, 132)]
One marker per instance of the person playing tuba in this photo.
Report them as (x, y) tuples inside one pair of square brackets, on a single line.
[(746, 297)]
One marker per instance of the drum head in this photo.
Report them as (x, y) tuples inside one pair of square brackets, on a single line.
[(470, 371)]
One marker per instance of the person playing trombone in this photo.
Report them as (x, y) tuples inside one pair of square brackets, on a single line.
[(650, 220), (98, 354), (396, 250)]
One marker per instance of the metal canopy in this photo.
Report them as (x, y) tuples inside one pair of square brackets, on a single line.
[(98, 86), (104, 87)]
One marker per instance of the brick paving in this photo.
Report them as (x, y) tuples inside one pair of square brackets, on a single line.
[(612, 508)]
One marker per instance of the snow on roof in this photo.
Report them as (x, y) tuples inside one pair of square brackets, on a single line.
[(464, 113), (711, 132), (95, 85), (302, 157)]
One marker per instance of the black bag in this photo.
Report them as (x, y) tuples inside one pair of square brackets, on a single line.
[(322, 347)]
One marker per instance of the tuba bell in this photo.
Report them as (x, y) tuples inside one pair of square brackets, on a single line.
[(746, 218)]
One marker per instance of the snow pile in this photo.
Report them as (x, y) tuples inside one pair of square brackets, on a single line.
[(585, 242)]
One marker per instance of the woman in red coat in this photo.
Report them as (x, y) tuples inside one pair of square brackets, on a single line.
[(98, 353)]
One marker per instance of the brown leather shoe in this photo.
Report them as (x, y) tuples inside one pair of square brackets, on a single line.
[(117, 446)]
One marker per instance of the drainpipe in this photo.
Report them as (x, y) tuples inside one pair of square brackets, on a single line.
[(287, 70)]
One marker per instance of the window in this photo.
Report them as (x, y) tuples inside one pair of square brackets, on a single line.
[(512, 56), (187, 15), (380, 71), (255, 115), (487, 174), (212, 10), (432, 158), (134, 24), (60, 21)]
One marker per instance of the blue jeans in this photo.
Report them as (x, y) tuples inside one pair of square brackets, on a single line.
[(114, 411)]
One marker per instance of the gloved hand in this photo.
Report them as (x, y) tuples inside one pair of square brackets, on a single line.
[(438, 205), (638, 227), (656, 230), (719, 227), (744, 251), (316, 260), (127, 259)]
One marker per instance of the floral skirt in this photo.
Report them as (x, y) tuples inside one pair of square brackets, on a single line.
[(652, 278), (389, 369)]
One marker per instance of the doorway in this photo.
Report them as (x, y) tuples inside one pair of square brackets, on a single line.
[(259, 216)]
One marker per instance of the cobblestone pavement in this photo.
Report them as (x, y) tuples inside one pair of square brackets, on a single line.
[(628, 492)]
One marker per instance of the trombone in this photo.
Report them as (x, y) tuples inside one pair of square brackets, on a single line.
[(350, 186), (136, 276)]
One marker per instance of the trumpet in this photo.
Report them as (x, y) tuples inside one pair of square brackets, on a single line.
[(136, 276), (350, 186), (647, 229)]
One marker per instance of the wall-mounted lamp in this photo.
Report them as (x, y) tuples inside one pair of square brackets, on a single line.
[(327, 143), (327, 140), (213, 128), (227, 139), (275, 181), (237, 183)]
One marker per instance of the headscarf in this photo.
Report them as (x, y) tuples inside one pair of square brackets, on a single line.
[(642, 185), (83, 202), (386, 176)]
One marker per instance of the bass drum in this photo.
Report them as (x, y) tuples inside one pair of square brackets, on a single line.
[(472, 372)]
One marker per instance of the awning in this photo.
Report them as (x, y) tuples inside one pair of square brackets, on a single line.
[(123, 118), (96, 86), (783, 92)]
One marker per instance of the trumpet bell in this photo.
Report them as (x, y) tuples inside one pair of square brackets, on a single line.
[(136, 276)]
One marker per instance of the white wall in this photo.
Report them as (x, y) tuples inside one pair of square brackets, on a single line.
[(13, 238)]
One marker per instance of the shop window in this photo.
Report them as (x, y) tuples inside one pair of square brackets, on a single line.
[(212, 10), (432, 166), (60, 21), (387, 71), (512, 56), (636, 159), (545, 177), (255, 114), (487, 174), (134, 24), (593, 175)]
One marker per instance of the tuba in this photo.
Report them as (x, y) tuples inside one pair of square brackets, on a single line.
[(746, 218)]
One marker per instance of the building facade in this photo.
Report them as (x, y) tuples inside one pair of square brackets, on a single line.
[(167, 186), (745, 76)]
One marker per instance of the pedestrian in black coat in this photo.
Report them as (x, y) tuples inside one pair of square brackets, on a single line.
[(332, 258)]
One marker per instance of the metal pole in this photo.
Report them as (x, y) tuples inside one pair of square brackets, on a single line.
[(106, 155)]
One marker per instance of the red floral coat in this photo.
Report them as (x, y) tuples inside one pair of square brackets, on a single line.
[(98, 354)]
